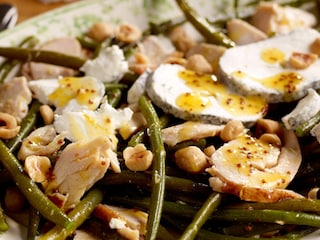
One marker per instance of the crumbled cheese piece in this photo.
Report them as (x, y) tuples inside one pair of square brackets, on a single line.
[(116, 223), (109, 66)]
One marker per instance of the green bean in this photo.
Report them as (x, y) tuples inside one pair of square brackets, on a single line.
[(44, 56), (78, 215), (144, 179), (164, 234), (158, 175), (251, 229), (30, 190), (114, 92), (201, 143), (27, 125), (208, 207), (299, 233), (163, 27), (172, 208), (34, 220), (110, 86), (207, 235), (8, 65), (137, 138), (129, 78), (87, 42), (304, 128), (102, 45), (267, 215), (303, 205), (186, 185), (114, 96), (6, 68), (203, 26), (140, 135), (3, 223)]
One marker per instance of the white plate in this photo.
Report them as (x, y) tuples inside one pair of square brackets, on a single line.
[(75, 18)]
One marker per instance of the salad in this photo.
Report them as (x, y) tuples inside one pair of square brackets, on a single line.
[(189, 128)]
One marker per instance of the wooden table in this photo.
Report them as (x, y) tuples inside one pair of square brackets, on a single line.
[(30, 8)]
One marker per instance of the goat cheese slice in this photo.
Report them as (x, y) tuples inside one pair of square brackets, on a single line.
[(265, 68), (191, 96)]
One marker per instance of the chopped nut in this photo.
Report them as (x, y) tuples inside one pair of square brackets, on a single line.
[(209, 150), (210, 52), (271, 138), (141, 64), (199, 64), (232, 130), (302, 60), (175, 58), (37, 168), (191, 159), (141, 58), (100, 31), (267, 126), (137, 158), (128, 33), (9, 127), (47, 114), (313, 193)]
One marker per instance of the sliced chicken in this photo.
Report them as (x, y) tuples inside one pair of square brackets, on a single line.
[(41, 142), (15, 97), (34, 70), (272, 18), (181, 39), (256, 170), (189, 130), (150, 53), (130, 223), (241, 32), (80, 165)]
